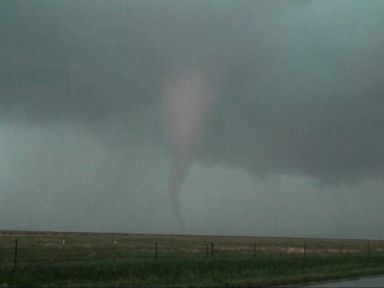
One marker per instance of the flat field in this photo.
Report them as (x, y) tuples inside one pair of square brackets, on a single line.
[(121, 260)]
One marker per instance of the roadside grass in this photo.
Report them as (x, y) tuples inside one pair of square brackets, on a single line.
[(96, 261)]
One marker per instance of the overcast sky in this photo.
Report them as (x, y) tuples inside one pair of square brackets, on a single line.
[(291, 144)]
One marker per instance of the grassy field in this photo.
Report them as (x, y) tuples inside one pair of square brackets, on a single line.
[(105, 260)]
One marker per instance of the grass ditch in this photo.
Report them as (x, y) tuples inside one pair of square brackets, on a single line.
[(239, 271)]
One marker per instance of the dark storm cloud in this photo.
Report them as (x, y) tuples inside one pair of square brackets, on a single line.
[(67, 60), (303, 92), (312, 103)]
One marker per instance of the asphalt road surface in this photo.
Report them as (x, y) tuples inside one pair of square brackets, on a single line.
[(369, 281)]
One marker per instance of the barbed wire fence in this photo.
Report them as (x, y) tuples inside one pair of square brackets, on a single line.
[(16, 250)]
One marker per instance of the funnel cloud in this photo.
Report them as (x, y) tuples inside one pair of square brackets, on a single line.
[(188, 92)]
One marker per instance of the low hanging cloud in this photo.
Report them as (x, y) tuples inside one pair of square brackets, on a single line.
[(302, 93), (312, 103)]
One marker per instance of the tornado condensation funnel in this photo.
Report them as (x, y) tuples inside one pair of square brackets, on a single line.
[(187, 94)]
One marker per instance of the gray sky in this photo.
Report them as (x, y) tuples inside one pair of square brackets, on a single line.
[(290, 146)]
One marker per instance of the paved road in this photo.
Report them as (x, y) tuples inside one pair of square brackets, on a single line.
[(369, 281)]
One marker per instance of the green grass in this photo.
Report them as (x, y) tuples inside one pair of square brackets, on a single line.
[(94, 261)]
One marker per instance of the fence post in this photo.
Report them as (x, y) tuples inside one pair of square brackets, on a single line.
[(62, 247), (156, 251), (341, 249), (114, 250), (254, 248), (15, 255), (368, 247), (212, 248), (305, 248)]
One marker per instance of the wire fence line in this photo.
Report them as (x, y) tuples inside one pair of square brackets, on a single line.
[(28, 249)]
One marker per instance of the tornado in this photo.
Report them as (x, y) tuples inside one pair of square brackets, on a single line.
[(187, 95)]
